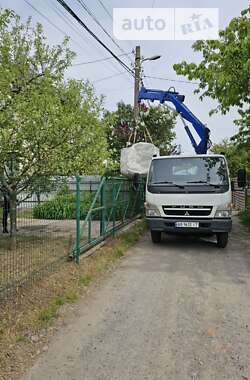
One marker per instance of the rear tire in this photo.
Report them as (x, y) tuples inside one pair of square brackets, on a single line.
[(156, 236), (222, 239)]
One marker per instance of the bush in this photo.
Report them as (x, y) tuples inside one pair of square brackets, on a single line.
[(245, 218), (63, 206)]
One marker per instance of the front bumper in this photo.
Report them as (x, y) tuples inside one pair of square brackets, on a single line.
[(206, 226)]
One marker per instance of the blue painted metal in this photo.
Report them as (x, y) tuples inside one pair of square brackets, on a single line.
[(177, 100)]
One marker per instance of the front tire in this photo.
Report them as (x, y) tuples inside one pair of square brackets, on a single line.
[(156, 236), (222, 239)]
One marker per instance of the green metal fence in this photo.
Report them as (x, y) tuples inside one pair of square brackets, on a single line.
[(60, 217), (117, 201)]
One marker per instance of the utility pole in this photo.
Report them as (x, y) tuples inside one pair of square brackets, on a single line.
[(137, 82), (138, 63)]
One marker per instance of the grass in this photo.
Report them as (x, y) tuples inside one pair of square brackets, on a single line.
[(20, 339), (71, 295), (245, 218), (85, 279), (25, 255), (51, 312), (38, 308), (46, 315)]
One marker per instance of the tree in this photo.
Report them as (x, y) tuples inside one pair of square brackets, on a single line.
[(224, 72), (236, 157), (47, 126), (158, 121)]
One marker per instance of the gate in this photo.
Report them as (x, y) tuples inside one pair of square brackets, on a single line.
[(117, 202)]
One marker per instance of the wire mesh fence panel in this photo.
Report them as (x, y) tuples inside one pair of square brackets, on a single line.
[(45, 219), (58, 217)]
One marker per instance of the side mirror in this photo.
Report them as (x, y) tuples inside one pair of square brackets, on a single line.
[(242, 177), (232, 186)]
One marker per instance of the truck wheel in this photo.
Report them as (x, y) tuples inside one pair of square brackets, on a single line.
[(222, 239), (156, 236)]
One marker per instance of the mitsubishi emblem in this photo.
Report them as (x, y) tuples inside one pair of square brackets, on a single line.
[(186, 213)]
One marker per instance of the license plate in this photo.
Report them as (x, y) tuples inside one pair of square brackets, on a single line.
[(187, 224)]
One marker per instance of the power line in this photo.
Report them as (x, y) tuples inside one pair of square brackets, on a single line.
[(110, 15), (60, 14), (50, 22), (63, 16), (74, 28), (99, 60), (106, 10), (108, 77), (170, 80), (85, 7), (73, 14)]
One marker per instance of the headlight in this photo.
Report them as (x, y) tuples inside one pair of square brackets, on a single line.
[(151, 210), (223, 211)]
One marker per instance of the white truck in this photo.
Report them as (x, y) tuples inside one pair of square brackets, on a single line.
[(189, 195)]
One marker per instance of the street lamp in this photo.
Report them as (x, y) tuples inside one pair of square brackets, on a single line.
[(153, 58)]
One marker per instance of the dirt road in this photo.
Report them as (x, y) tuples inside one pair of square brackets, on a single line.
[(175, 311)]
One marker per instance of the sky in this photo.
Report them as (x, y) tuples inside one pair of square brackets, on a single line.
[(108, 77)]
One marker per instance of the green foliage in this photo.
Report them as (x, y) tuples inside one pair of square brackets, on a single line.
[(159, 121), (70, 295), (237, 157), (63, 206), (128, 239), (118, 252), (245, 218), (48, 125), (63, 189), (224, 72), (85, 279), (51, 312)]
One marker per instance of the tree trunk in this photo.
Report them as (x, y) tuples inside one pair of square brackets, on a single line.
[(13, 213), (38, 197)]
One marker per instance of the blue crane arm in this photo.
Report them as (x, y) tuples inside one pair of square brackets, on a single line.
[(177, 100)]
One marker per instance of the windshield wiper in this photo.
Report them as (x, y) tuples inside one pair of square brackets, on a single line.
[(198, 182), (205, 182), (161, 182), (168, 183)]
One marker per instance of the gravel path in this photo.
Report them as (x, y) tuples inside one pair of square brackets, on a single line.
[(175, 311)]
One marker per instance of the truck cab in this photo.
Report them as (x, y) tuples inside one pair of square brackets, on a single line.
[(189, 195)]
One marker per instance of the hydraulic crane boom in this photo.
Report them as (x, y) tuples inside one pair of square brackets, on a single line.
[(177, 100)]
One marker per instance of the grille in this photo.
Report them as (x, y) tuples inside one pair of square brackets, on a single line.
[(186, 211)]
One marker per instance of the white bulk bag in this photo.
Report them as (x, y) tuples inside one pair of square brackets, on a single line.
[(136, 159)]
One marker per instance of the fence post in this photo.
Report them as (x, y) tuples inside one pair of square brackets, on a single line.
[(103, 205), (113, 205), (78, 217), (246, 200), (142, 196)]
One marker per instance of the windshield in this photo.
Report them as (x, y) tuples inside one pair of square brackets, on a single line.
[(189, 171)]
